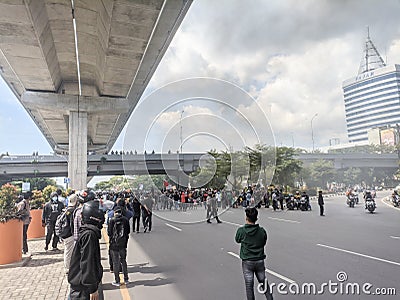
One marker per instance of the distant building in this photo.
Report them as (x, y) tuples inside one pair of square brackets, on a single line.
[(372, 98)]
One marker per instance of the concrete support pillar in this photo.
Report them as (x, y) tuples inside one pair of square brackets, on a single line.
[(77, 162)]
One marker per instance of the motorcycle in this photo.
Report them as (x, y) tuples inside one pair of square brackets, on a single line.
[(370, 205), (396, 200), (303, 204), (351, 201), (290, 203)]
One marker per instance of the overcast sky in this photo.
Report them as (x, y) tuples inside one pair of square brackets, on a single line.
[(290, 56)]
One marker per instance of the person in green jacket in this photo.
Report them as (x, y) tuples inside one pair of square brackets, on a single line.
[(253, 238)]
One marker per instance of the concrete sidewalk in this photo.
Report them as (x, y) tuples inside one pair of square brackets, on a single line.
[(39, 276)]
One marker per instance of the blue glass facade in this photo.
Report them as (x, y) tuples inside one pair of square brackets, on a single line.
[(372, 100)]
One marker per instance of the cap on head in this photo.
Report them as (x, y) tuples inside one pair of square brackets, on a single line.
[(72, 200)]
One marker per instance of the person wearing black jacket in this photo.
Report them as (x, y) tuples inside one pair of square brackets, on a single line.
[(136, 206), (86, 271), (119, 224), (321, 203), (52, 209)]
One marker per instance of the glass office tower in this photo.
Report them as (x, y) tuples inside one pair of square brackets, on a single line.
[(372, 98)]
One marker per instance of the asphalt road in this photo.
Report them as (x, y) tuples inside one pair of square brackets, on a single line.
[(200, 261)]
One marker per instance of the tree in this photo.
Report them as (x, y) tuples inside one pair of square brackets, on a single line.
[(40, 183), (287, 166), (322, 171)]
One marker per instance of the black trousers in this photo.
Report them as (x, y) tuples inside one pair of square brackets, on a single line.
[(321, 209), (147, 222), (24, 238), (119, 258), (51, 231), (135, 219)]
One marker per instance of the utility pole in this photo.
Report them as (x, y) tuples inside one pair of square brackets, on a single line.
[(312, 131)]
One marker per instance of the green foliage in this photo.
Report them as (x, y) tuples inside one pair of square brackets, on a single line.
[(40, 183), (37, 200), (322, 171), (8, 196), (48, 190), (123, 183), (287, 166)]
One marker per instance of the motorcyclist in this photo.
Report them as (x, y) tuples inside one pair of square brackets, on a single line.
[(368, 196), (304, 194)]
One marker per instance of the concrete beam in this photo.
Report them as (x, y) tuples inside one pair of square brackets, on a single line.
[(66, 103)]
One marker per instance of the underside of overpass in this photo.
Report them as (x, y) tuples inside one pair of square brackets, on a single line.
[(80, 67)]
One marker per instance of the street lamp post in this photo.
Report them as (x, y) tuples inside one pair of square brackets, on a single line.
[(180, 122), (312, 131)]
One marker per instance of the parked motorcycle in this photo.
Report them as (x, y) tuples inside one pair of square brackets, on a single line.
[(303, 204), (290, 203)]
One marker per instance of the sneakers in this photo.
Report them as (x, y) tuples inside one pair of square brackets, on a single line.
[(114, 283), (145, 229), (126, 281), (55, 249), (208, 221), (46, 248)]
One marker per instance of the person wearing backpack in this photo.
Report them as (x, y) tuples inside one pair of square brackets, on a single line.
[(64, 229), (52, 209), (118, 232)]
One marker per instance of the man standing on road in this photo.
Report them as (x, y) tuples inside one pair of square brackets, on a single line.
[(253, 238), (321, 203)]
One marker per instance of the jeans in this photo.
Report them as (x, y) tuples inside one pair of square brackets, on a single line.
[(24, 238), (146, 217), (249, 269), (51, 231), (119, 257)]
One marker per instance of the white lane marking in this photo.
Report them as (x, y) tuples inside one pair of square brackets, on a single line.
[(234, 224), (268, 270), (394, 237), (279, 276), (284, 220), (387, 204), (172, 226), (360, 254)]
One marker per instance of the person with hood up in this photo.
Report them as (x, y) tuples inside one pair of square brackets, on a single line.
[(253, 239)]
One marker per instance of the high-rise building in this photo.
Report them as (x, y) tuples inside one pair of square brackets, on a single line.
[(372, 98)]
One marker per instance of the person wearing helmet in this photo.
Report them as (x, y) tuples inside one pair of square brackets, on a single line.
[(52, 209), (83, 197), (86, 271)]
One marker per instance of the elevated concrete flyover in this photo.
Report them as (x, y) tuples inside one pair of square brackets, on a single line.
[(80, 67), (353, 160), (27, 166)]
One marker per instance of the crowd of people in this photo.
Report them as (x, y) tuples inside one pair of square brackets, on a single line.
[(77, 220)]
